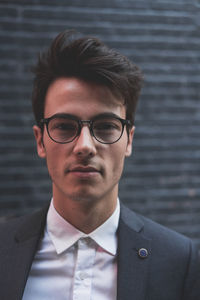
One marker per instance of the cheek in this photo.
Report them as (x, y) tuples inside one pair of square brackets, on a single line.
[(58, 156), (54, 160), (117, 161)]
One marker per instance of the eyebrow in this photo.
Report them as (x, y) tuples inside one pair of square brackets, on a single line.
[(71, 116)]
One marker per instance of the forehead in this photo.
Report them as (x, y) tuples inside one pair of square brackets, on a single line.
[(81, 98)]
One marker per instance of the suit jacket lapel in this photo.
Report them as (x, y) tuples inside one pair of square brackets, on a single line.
[(16, 259), (132, 269), (18, 256)]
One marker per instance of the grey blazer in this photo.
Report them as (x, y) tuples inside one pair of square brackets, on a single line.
[(165, 270)]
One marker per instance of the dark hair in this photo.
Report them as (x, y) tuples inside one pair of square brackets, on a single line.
[(89, 59)]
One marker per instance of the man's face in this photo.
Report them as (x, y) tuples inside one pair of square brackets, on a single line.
[(84, 169)]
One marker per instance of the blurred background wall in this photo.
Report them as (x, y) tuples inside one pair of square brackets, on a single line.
[(162, 178)]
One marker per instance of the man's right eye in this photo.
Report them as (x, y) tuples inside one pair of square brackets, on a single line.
[(64, 126)]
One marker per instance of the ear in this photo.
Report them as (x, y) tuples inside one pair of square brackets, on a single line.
[(39, 141), (130, 141)]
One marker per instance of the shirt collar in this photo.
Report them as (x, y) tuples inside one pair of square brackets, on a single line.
[(63, 235)]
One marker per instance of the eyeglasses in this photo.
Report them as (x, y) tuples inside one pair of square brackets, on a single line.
[(64, 128)]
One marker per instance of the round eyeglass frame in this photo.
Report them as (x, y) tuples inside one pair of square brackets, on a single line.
[(80, 123)]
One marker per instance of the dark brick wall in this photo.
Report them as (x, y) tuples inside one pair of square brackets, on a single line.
[(162, 178)]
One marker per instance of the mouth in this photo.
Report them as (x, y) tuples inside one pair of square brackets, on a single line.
[(84, 171)]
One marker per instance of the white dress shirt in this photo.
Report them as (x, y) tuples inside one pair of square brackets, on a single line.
[(71, 265)]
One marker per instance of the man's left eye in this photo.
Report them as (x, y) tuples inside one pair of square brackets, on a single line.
[(105, 126)]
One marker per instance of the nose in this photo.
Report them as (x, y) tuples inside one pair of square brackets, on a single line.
[(85, 144)]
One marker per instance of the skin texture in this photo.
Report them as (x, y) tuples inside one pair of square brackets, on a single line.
[(84, 173)]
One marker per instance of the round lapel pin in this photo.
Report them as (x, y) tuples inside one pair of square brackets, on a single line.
[(143, 253)]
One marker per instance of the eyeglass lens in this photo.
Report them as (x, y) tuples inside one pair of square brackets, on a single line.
[(105, 130)]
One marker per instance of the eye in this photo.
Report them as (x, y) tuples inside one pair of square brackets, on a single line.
[(107, 125), (63, 125)]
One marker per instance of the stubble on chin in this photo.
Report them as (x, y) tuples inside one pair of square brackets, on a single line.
[(83, 197)]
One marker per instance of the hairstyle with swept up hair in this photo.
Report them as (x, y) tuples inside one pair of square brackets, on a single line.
[(88, 59)]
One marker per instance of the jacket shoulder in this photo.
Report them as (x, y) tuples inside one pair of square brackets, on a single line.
[(161, 236), (21, 226)]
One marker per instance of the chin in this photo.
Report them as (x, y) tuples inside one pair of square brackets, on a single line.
[(84, 196)]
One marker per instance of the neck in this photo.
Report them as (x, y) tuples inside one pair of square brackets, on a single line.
[(86, 214)]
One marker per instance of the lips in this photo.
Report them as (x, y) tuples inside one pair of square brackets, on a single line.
[(84, 169), (84, 172)]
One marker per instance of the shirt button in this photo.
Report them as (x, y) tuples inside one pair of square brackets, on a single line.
[(83, 275), (82, 242)]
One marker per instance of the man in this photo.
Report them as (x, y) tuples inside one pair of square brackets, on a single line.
[(86, 244)]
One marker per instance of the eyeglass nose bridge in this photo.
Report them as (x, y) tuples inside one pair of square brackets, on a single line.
[(85, 122)]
